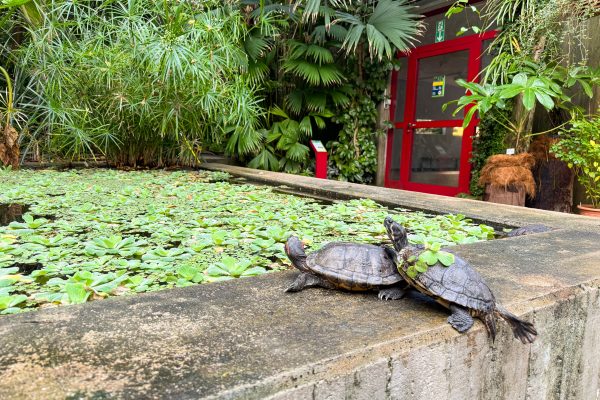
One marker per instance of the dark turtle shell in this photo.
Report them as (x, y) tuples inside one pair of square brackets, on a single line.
[(355, 266), (459, 283), (528, 229)]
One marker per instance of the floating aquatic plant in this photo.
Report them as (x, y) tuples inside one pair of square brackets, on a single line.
[(91, 234)]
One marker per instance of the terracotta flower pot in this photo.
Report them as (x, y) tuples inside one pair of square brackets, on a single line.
[(588, 210)]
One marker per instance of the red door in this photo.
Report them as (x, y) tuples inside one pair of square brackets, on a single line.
[(428, 150)]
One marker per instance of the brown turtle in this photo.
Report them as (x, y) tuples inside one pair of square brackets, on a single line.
[(350, 266), (457, 287)]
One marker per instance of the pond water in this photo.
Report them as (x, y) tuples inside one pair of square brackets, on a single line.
[(119, 232), (12, 212)]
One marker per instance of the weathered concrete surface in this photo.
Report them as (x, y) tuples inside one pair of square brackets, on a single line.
[(247, 339), (499, 214)]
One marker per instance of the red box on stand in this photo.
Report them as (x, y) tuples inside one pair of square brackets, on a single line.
[(320, 158)]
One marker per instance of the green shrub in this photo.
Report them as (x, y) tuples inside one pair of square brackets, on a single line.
[(142, 82), (579, 147)]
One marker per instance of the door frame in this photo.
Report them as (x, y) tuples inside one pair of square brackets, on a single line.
[(472, 43)]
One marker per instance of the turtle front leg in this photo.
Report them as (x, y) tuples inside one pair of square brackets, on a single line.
[(305, 280), (460, 319)]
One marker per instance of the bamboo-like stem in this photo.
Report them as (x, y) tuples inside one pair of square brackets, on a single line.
[(9, 103)]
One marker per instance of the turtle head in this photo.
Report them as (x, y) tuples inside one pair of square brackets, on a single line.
[(396, 233), (295, 252)]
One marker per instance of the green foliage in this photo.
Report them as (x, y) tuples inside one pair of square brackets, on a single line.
[(534, 30), (29, 224), (117, 233), (230, 268), (532, 65), (532, 84), (283, 149), (488, 141), (9, 303), (387, 27), (114, 244), (141, 82), (579, 146), (430, 256), (354, 154), (313, 63), (315, 55)]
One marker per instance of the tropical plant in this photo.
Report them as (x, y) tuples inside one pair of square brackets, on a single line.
[(354, 153), (141, 82), (579, 147), (320, 68), (283, 148), (531, 66), (531, 85)]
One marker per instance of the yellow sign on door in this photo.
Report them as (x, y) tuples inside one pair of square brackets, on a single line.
[(439, 83)]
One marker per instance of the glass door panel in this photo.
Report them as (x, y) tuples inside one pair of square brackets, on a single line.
[(436, 156), (436, 85), (396, 152), (401, 80), (428, 150)]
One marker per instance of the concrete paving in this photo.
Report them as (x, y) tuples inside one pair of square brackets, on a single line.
[(248, 339)]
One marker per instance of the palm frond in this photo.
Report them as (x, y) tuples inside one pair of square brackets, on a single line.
[(320, 54), (295, 100), (265, 160), (256, 46), (244, 141), (297, 152), (316, 100)]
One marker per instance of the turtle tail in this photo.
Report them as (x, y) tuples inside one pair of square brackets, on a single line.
[(523, 330)]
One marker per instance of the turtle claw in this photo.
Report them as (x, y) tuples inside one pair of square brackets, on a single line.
[(393, 293), (292, 288)]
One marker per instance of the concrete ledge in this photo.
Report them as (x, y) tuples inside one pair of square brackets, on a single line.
[(498, 214), (247, 339)]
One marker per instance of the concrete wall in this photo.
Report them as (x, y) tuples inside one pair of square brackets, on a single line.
[(247, 339), (563, 364)]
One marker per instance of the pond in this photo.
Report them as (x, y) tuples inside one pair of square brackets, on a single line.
[(12, 212), (90, 234)]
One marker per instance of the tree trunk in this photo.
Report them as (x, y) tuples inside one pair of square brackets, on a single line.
[(553, 179), (9, 147)]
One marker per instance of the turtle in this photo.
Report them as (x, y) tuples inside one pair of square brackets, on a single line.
[(528, 230), (457, 287), (349, 266)]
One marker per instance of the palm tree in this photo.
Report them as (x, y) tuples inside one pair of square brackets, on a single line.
[(374, 29)]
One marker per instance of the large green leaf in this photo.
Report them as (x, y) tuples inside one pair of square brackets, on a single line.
[(529, 98), (544, 100), (77, 293)]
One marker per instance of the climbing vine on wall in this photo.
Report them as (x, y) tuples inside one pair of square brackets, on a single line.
[(354, 154)]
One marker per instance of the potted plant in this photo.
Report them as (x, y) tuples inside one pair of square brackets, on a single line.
[(530, 85), (579, 147)]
